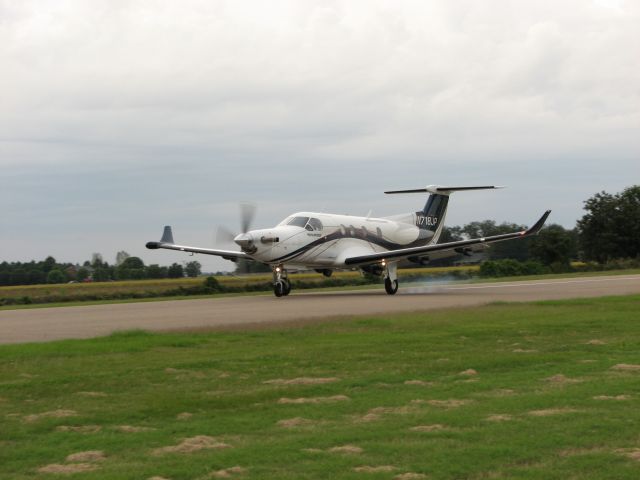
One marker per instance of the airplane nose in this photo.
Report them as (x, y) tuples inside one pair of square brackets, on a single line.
[(244, 240)]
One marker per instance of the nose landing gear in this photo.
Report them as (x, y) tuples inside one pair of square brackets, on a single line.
[(281, 283)]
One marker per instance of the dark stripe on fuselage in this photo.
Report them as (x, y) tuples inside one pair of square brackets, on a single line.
[(337, 235)]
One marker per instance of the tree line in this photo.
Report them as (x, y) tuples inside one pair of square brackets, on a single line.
[(96, 269), (608, 231)]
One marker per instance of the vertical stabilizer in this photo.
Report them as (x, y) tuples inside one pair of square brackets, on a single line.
[(431, 217)]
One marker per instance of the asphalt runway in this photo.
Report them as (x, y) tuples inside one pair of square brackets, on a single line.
[(45, 324)]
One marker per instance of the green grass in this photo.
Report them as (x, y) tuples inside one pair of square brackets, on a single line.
[(149, 379)]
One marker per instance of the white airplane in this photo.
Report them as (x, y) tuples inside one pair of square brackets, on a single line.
[(327, 242)]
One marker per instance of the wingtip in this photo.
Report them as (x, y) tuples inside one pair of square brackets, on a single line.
[(539, 224)]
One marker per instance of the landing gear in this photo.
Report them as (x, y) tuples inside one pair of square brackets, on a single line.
[(281, 283), (390, 277), (391, 286)]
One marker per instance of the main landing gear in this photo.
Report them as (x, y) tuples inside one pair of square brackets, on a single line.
[(390, 277), (281, 283)]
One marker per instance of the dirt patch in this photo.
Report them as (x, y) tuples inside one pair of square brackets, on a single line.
[(346, 449), (626, 367), (499, 417), (132, 429), (157, 478), (334, 398), (79, 428), (228, 472), (402, 410), (560, 379), (301, 381), (51, 414), (88, 456), (612, 397), (572, 452), (184, 416), (469, 373), (595, 342), (451, 403), (56, 468), (312, 450), (368, 417), (551, 411), (428, 428), (174, 370), (193, 444), (523, 350), (409, 476), (632, 453), (421, 383), (376, 469), (295, 422), (92, 394), (500, 392)]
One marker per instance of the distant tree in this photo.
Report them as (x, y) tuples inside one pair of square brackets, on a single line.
[(611, 227), (517, 250), (56, 276), (96, 260), (193, 269), (48, 264), (176, 271), (83, 274), (554, 245), (101, 274), (156, 271), (19, 277), (450, 234), (121, 256), (251, 266), (133, 262), (35, 276)]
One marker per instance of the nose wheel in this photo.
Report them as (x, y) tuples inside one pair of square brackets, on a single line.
[(281, 283)]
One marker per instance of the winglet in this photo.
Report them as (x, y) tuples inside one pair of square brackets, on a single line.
[(538, 225)]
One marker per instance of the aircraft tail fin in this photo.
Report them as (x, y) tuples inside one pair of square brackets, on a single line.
[(431, 217)]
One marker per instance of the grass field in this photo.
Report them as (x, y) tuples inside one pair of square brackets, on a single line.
[(549, 390)]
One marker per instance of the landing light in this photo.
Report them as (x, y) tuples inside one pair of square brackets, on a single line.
[(384, 263), (277, 269)]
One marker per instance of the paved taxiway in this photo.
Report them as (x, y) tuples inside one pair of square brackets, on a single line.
[(44, 324)]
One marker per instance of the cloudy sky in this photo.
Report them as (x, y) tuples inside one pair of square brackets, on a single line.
[(118, 117)]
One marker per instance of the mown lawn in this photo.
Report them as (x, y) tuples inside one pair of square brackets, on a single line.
[(549, 390)]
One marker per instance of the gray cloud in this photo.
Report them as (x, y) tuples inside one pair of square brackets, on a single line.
[(119, 117)]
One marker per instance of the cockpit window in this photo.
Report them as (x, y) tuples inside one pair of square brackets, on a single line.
[(298, 221), (314, 225)]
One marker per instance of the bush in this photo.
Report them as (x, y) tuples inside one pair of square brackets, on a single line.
[(511, 268)]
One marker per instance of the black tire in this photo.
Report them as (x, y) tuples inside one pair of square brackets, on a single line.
[(390, 287), (287, 288), (278, 289)]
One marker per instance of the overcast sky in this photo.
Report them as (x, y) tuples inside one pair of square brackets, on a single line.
[(119, 117)]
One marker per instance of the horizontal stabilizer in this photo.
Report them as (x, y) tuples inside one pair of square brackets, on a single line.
[(167, 235), (443, 190)]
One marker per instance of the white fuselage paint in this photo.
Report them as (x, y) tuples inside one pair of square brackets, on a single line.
[(341, 237)]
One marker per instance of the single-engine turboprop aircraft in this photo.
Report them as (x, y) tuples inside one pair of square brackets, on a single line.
[(327, 242)]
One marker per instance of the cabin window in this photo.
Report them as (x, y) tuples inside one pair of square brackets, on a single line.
[(298, 221), (314, 225)]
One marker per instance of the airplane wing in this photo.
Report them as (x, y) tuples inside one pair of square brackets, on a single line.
[(167, 242), (457, 247)]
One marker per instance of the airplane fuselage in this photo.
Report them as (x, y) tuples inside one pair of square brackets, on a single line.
[(321, 240)]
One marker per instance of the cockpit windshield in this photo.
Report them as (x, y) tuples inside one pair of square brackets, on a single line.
[(298, 221), (311, 224)]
